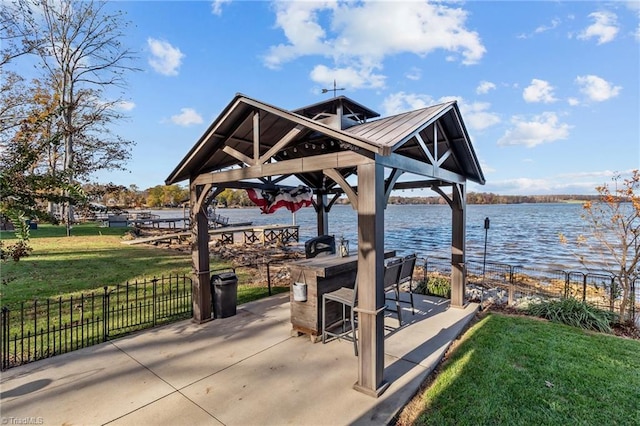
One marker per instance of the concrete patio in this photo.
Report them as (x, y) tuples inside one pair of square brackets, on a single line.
[(241, 370)]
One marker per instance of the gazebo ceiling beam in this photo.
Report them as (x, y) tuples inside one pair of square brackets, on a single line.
[(252, 185), (419, 168), (336, 160), (417, 184)]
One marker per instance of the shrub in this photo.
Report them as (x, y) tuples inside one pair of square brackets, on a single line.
[(435, 286), (575, 313)]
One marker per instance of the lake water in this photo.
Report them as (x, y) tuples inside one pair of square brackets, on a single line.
[(519, 234)]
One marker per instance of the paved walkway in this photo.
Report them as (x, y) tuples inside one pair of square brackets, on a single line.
[(242, 370)]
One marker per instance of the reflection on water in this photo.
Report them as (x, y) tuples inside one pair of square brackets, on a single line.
[(519, 234)]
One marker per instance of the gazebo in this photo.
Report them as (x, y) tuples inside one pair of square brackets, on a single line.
[(336, 147)]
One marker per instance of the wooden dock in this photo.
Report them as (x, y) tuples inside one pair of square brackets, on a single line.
[(250, 234)]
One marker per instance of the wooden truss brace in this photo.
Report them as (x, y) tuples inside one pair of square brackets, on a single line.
[(390, 183), (291, 135), (348, 190), (201, 196), (257, 158), (449, 200)]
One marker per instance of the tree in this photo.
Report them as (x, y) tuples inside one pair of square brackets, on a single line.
[(79, 48), (614, 224), (26, 184), (166, 195)]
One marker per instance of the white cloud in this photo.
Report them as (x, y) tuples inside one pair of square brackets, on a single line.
[(568, 183), (216, 6), (165, 58), (539, 91), (414, 74), (187, 117), (573, 101), (634, 6), (597, 89), (484, 87), (125, 105), (353, 78), (400, 102), (543, 28), (539, 186), (486, 168), (605, 28), (476, 115), (543, 128), (359, 35)]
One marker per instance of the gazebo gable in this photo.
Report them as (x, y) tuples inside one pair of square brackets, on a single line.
[(250, 133), (431, 142), (435, 137)]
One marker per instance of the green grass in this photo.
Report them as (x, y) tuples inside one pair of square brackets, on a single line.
[(524, 371), (93, 257)]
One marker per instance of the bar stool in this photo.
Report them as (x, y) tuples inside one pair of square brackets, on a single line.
[(348, 298), (391, 276), (406, 275)]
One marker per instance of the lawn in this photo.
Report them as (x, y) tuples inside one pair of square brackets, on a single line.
[(526, 371), (93, 257)]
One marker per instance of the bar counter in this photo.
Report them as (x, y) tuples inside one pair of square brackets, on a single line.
[(322, 274)]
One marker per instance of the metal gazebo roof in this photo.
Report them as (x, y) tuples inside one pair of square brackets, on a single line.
[(434, 137)]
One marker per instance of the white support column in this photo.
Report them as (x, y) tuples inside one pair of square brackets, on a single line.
[(370, 280), (458, 238)]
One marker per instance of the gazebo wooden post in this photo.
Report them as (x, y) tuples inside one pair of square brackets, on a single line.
[(458, 228), (201, 288), (370, 279)]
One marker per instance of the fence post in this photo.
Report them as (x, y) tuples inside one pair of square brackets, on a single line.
[(511, 285), (269, 277), (613, 294), (154, 281), (424, 271), (584, 287), (633, 301), (105, 314), (5, 338)]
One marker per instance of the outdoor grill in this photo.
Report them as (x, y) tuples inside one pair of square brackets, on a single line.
[(321, 244)]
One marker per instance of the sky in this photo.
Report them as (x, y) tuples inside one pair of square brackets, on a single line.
[(549, 90)]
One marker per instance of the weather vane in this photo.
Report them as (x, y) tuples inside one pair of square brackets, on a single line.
[(335, 89)]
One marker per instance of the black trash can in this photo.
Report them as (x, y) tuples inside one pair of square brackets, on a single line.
[(224, 294)]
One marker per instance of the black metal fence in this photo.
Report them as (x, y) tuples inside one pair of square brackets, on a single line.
[(600, 289), (261, 278), (41, 329)]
